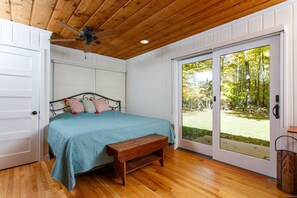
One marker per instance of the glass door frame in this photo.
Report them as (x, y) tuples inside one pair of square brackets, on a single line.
[(183, 143), (266, 167)]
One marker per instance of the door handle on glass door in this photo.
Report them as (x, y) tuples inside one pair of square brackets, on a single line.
[(275, 111)]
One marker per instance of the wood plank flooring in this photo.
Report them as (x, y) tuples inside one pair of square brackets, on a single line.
[(184, 175)]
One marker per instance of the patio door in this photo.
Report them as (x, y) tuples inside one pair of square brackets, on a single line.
[(230, 104), (196, 104), (246, 107)]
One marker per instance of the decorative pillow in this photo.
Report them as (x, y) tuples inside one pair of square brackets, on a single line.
[(76, 105), (101, 105), (89, 106)]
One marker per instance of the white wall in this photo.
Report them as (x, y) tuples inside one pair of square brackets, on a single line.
[(23, 36), (149, 76), (75, 72)]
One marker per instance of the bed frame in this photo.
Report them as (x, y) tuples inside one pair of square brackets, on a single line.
[(59, 106)]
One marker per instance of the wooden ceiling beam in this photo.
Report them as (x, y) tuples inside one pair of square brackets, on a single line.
[(229, 15), (21, 11), (42, 12), (5, 9)]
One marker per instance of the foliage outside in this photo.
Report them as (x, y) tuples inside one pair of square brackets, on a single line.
[(245, 78)]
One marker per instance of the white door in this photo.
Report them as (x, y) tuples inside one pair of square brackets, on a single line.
[(247, 107), (19, 106), (196, 104)]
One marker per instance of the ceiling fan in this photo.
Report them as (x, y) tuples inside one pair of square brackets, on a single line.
[(88, 36)]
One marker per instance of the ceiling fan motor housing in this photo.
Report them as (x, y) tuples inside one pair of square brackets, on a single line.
[(88, 35)]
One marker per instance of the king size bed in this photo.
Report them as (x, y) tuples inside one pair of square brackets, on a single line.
[(78, 141)]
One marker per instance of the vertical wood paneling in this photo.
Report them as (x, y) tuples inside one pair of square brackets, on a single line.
[(34, 38), (44, 41), (111, 84), (239, 29), (255, 24), (199, 42), (7, 32), (217, 36), (226, 34), (0, 31), (21, 35), (268, 20), (70, 80), (209, 39), (283, 15), (295, 69)]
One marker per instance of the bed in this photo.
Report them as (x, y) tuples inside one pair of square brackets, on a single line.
[(78, 141)]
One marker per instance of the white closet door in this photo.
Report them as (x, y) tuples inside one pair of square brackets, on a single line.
[(70, 80), (19, 98), (112, 85)]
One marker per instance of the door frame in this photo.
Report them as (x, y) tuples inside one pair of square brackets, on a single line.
[(188, 144), (267, 167)]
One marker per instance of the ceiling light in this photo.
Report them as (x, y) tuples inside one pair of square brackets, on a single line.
[(144, 42)]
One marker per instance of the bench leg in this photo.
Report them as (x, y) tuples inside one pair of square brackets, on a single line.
[(116, 168), (160, 154), (123, 172)]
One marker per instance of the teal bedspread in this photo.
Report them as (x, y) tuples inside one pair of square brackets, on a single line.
[(78, 141)]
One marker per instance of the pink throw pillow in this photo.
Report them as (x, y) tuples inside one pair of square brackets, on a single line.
[(101, 105), (76, 105)]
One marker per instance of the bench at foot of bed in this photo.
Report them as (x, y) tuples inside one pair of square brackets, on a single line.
[(133, 154)]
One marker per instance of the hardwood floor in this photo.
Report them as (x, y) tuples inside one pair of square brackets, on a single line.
[(183, 175)]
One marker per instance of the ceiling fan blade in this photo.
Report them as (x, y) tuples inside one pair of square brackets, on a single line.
[(88, 48), (106, 33), (110, 46), (63, 40), (64, 25)]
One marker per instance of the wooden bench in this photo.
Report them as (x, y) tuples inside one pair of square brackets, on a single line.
[(136, 153)]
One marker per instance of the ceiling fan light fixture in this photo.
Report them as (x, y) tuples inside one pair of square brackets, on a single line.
[(144, 42)]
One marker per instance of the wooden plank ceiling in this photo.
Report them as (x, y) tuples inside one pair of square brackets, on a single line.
[(160, 21)]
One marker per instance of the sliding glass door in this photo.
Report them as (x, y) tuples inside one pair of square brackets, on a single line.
[(246, 113), (231, 105), (196, 103)]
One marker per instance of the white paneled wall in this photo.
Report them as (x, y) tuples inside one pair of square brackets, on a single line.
[(75, 72), (78, 57), (23, 36), (71, 80), (112, 84), (149, 84)]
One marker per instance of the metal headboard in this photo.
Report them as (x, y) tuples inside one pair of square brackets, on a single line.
[(60, 106)]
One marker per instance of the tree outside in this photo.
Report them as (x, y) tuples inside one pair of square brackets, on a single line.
[(245, 78)]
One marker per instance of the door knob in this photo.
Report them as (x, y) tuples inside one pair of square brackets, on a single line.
[(34, 112)]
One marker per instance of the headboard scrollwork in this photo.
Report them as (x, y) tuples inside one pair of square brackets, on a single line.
[(59, 106)]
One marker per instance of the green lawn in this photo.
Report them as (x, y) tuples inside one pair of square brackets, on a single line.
[(232, 123)]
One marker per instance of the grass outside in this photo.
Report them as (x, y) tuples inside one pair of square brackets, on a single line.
[(232, 123)]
